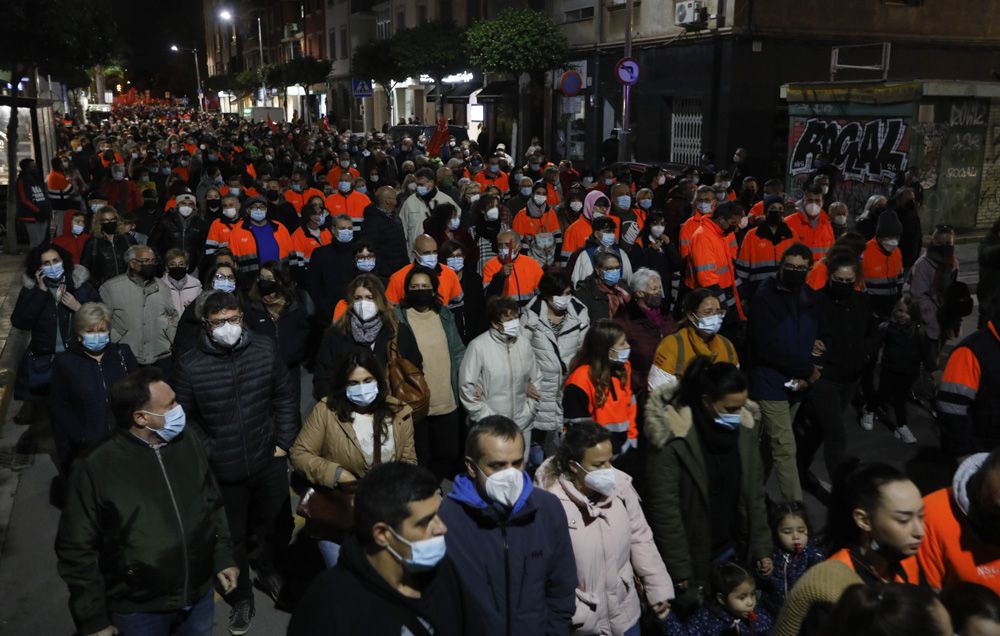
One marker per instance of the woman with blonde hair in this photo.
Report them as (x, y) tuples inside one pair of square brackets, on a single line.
[(104, 253)]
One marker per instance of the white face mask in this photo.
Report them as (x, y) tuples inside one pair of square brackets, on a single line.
[(473, 198), (365, 309), (185, 210), (601, 480), (813, 209), (505, 486), (656, 231), (744, 221), (561, 302), (576, 206), (710, 324), (229, 213), (539, 199), (704, 207), (889, 244), (228, 334), (493, 214), (840, 220), (512, 328)]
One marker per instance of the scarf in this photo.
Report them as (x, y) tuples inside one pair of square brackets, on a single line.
[(616, 296), (365, 331)]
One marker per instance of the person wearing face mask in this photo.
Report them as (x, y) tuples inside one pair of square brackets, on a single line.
[(486, 226), (499, 375), (395, 571), (538, 225), (630, 220), (425, 255), (471, 320), (867, 221), (875, 528), (610, 534), (656, 251), (314, 233), (434, 328), (219, 231), (509, 273), (120, 191), (711, 261), (183, 228), (446, 223), (347, 200), (381, 226), (258, 239), (645, 325), (79, 400), (762, 247), (342, 167), (810, 224), (143, 314), (602, 239), (169, 486), (184, 288), (850, 338), (75, 235), (596, 205), (235, 389), (712, 509), (704, 206), (416, 208), (299, 192), (785, 330), (772, 187), (571, 208), (930, 280), (839, 214), (601, 292), (882, 266), (61, 191), (34, 208), (495, 516), (212, 203), (493, 175)]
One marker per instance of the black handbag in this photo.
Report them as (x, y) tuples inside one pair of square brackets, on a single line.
[(39, 369)]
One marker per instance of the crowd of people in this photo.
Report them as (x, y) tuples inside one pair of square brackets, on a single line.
[(544, 400)]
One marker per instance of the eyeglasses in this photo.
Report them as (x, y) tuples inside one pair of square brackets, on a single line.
[(233, 320)]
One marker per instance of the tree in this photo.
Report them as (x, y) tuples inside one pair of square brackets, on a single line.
[(523, 42), (377, 61), (304, 71), (432, 48), (57, 37)]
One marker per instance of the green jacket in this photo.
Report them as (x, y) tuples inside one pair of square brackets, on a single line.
[(456, 349), (677, 505), (143, 529)]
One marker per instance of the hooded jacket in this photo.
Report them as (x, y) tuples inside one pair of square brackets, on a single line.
[(553, 354), (353, 598), (677, 503), (36, 311), (612, 545), (518, 564), (954, 548), (494, 377), (244, 404), (581, 229)]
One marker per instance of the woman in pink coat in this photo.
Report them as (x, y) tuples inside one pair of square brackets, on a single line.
[(612, 542)]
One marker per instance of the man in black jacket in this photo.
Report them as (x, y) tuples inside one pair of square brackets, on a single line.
[(245, 410), (143, 535), (393, 576), (383, 228)]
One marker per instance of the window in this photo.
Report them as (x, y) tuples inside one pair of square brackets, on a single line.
[(577, 15), (400, 19), (344, 44), (333, 44), (685, 130), (383, 25)]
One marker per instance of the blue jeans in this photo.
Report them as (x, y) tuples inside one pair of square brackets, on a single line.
[(194, 621), (631, 631), (330, 552)]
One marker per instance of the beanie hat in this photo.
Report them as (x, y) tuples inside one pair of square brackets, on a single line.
[(773, 198), (888, 225)]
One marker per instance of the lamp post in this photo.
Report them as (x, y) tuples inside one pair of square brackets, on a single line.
[(227, 16), (197, 73)]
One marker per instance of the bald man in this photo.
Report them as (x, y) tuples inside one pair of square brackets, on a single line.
[(425, 254), (509, 273)]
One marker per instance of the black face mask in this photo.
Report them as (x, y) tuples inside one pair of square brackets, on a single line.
[(177, 273), (272, 195), (840, 290), (267, 287), (793, 280), (147, 272), (941, 252), (420, 298), (109, 227), (213, 204), (774, 217)]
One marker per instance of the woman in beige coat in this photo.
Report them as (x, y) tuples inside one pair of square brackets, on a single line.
[(612, 542), (340, 441)]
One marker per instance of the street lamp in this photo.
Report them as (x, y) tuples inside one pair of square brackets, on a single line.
[(227, 16), (197, 73)]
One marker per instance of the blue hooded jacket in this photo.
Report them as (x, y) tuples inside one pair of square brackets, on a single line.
[(517, 563)]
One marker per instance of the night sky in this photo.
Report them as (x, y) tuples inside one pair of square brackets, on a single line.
[(146, 29)]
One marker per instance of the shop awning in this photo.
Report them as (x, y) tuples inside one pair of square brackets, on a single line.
[(497, 91), (457, 93)]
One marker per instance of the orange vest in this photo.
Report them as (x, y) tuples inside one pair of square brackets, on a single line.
[(711, 264), (526, 225), (244, 246), (353, 204), (577, 234), (304, 243), (688, 228), (484, 179), (333, 175), (883, 272), (298, 199), (819, 238), (759, 258), (449, 287), (911, 569), (218, 235), (617, 414), (951, 550), (523, 280)]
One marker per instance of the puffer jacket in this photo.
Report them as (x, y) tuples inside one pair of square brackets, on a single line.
[(106, 259), (494, 376), (553, 353), (608, 558), (142, 316), (244, 404), (677, 502)]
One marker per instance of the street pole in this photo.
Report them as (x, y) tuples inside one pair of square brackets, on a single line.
[(260, 49), (624, 141), (197, 75)]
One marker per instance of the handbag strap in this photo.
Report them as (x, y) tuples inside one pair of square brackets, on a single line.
[(377, 442)]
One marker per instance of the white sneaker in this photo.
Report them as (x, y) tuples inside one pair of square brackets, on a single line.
[(868, 420), (905, 434)]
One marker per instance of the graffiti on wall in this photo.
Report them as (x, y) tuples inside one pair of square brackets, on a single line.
[(863, 150), (989, 193)]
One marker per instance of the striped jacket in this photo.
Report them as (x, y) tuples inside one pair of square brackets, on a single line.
[(243, 244)]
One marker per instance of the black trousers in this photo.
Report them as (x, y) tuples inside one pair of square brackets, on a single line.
[(824, 424), (260, 502), (437, 441), (894, 391)]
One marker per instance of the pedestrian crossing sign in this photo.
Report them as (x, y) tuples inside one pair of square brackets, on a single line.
[(362, 88)]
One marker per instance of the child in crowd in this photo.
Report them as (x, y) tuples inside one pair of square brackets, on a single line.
[(794, 552), (901, 342), (732, 612)]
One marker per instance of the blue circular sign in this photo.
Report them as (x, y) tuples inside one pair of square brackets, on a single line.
[(571, 83)]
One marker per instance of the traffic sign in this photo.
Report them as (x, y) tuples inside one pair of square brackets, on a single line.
[(571, 83), (627, 71), (362, 88)]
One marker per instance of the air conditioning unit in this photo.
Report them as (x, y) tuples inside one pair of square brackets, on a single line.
[(689, 13)]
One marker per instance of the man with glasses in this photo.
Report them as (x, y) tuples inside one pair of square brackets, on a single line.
[(142, 311), (245, 410)]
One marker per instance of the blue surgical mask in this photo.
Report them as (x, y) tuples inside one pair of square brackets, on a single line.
[(424, 554), (526, 191), (228, 286), (611, 277), (645, 204), (362, 394), (362, 189), (453, 223), (258, 215), (729, 421), (456, 263), (365, 264), (54, 271), (624, 201), (173, 423), (95, 342), (345, 236), (428, 260), (344, 186), (607, 239), (422, 190)]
